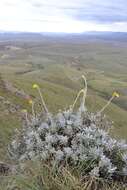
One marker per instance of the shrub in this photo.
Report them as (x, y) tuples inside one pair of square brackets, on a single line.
[(79, 139)]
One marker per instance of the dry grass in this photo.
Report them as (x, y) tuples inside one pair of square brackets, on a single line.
[(41, 176)]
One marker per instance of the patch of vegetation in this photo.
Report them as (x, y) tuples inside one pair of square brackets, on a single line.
[(72, 149), (39, 175)]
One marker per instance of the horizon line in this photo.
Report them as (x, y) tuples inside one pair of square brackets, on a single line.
[(40, 32)]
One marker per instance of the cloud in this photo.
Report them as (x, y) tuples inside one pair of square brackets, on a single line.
[(63, 16), (104, 12)]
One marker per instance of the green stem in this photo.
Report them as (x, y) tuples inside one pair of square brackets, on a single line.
[(108, 103), (76, 99), (42, 100), (84, 91), (33, 112)]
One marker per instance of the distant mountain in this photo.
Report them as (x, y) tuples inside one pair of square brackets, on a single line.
[(109, 36), (18, 35)]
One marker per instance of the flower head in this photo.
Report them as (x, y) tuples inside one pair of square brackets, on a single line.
[(35, 86), (30, 101), (115, 94)]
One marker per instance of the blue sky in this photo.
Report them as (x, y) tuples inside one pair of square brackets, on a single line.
[(63, 15)]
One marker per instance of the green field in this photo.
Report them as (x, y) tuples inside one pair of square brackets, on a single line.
[(56, 64)]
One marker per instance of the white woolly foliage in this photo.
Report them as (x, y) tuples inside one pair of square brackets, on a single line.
[(78, 139)]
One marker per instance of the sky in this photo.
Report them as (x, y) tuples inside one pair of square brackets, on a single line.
[(70, 16)]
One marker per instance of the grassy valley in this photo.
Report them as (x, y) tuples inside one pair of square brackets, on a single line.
[(56, 64)]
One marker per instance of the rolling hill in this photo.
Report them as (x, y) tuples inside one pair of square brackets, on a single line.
[(56, 63)]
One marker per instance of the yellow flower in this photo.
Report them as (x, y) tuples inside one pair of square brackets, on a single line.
[(24, 111), (115, 94), (30, 101), (35, 86)]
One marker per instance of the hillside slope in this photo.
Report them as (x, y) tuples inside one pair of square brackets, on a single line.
[(57, 67)]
